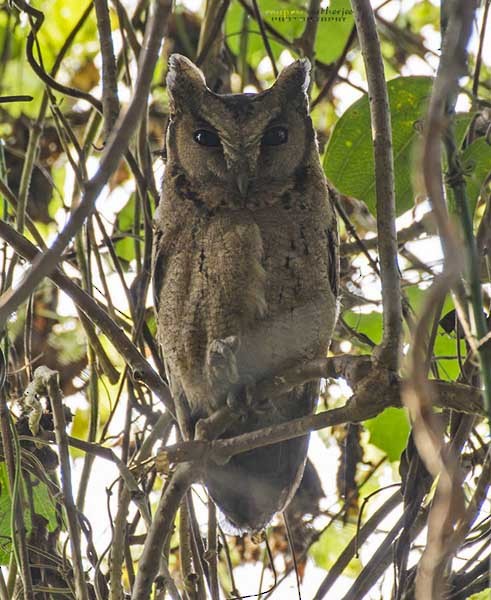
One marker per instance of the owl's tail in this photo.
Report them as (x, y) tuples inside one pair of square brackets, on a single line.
[(255, 485)]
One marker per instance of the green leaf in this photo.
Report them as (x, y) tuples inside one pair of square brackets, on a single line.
[(126, 215), (348, 160), (60, 17), (332, 542), (369, 324), (289, 20), (484, 595), (43, 505), (125, 247), (461, 126), (446, 354), (125, 250), (477, 157), (422, 14), (389, 431), (333, 30), (283, 18)]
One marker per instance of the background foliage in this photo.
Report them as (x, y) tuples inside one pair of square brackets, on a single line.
[(53, 140)]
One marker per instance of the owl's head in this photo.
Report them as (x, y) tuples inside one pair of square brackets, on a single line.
[(239, 144)]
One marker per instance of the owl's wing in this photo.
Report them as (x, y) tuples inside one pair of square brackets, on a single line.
[(333, 243), (158, 268), (333, 254)]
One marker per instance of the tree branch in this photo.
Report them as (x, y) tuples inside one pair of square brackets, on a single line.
[(373, 394), (46, 381), (161, 528), (110, 102), (389, 349), (113, 152), (138, 363)]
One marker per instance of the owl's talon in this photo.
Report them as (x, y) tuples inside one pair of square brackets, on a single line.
[(251, 401), (235, 402), (212, 427), (202, 430), (221, 360)]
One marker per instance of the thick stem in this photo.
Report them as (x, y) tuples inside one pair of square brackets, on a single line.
[(388, 351), (50, 382), (161, 528), (110, 102)]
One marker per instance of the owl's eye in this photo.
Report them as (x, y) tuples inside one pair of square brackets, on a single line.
[(275, 136), (204, 137)]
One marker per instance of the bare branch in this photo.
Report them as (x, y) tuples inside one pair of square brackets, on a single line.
[(373, 394), (113, 152), (161, 528), (388, 352), (46, 381), (110, 102)]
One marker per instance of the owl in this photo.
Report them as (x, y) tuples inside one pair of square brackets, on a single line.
[(245, 272)]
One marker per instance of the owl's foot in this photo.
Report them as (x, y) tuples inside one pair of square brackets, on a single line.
[(240, 399), (221, 362), (213, 426)]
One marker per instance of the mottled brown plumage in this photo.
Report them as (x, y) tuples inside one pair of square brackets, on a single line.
[(245, 269)]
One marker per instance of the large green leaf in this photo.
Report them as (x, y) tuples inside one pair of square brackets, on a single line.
[(280, 15), (289, 20), (348, 161), (389, 431), (477, 158), (333, 30), (43, 505)]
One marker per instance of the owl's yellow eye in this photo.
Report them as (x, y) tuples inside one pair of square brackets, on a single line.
[(275, 136), (204, 137)]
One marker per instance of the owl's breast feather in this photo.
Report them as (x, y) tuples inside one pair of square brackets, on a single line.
[(256, 275)]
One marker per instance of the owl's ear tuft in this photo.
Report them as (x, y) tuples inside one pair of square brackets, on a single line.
[(184, 81), (295, 78)]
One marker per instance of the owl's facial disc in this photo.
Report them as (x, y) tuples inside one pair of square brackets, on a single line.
[(208, 138), (239, 146)]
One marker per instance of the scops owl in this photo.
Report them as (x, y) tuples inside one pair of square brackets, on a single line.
[(245, 271)]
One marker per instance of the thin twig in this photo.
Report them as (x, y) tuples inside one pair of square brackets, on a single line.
[(110, 102), (477, 70), (264, 35), (308, 38), (388, 351), (211, 555), (47, 380), (114, 150), (334, 72), (209, 34), (98, 316), (13, 464), (349, 551)]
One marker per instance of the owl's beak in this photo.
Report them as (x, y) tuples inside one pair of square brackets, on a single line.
[(242, 181)]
